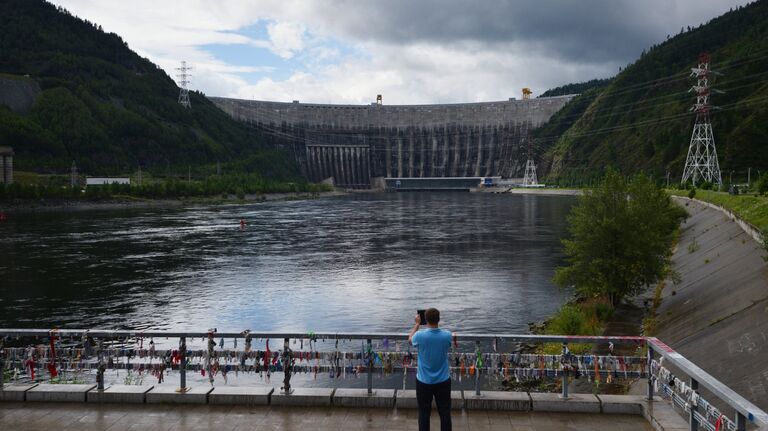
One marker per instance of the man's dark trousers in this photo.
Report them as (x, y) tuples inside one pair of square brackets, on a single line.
[(442, 394)]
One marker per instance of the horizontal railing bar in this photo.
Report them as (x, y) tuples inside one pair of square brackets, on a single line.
[(741, 404), (321, 335)]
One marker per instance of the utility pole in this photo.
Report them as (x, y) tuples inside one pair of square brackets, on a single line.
[(184, 80), (73, 175), (701, 161)]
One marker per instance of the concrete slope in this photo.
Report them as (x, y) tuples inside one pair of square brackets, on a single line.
[(717, 316)]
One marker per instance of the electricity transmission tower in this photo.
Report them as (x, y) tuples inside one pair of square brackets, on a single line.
[(701, 163), (184, 80), (530, 167)]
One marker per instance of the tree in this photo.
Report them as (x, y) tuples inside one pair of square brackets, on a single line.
[(762, 184), (621, 234)]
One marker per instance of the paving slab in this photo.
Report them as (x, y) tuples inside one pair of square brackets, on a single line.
[(15, 392), (497, 400), (128, 394), (621, 404), (575, 403), (169, 395), (348, 397), (59, 393), (303, 397), (662, 416), (20, 416), (248, 395), (406, 399)]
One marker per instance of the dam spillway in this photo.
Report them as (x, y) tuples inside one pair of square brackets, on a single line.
[(355, 144)]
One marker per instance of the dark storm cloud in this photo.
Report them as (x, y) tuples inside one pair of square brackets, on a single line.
[(577, 31)]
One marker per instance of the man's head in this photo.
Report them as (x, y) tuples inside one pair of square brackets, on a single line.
[(433, 316)]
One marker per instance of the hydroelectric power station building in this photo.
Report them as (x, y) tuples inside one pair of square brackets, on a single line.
[(356, 144)]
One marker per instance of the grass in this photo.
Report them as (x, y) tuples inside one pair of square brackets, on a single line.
[(650, 321), (584, 317), (750, 207)]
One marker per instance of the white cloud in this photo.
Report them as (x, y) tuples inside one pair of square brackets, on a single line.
[(286, 38), (411, 52)]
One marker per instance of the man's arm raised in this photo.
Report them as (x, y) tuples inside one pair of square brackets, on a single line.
[(414, 329)]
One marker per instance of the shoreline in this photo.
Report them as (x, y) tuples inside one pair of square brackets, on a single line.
[(544, 191), (44, 205)]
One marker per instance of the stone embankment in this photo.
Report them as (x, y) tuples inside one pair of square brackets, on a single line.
[(716, 314)]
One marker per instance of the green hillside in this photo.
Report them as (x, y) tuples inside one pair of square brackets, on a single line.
[(641, 121), (103, 106)]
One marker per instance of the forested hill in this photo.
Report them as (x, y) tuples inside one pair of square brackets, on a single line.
[(641, 120), (69, 91)]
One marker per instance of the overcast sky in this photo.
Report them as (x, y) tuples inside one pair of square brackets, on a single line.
[(410, 51)]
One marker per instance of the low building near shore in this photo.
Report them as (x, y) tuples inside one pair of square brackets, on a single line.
[(6, 165), (103, 181)]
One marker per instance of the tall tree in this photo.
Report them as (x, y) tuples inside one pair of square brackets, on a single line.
[(621, 233)]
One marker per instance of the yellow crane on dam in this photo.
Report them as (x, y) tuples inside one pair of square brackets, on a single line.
[(527, 93)]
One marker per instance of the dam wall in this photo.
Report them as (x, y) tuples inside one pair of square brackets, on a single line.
[(354, 143), (717, 314)]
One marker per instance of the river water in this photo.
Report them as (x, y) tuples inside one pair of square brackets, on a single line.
[(361, 262)]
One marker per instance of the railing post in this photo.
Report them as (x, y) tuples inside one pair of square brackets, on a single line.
[(565, 383), (565, 361), (287, 367), (102, 366), (648, 371), (692, 422), (370, 367), (477, 368), (741, 422), (2, 361), (183, 364)]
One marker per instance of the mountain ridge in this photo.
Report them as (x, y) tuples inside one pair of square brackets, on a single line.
[(108, 109), (641, 120)]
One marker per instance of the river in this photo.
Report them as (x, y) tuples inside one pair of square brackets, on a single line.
[(361, 262)]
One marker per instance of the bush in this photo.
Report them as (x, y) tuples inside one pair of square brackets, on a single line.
[(570, 320), (692, 193), (603, 311), (762, 184)]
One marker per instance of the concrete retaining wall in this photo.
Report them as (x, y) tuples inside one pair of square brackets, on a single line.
[(717, 316)]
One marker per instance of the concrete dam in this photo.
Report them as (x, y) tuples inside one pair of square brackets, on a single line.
[(358, 145)]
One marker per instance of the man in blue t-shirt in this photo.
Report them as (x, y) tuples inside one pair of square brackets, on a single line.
[(432, 376)]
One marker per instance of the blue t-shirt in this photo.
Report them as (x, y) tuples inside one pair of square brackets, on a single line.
[(433, 345)]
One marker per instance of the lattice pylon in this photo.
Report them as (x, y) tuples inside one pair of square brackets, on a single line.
[(530, 174), (701, 162), (184, 80), (529, 179)]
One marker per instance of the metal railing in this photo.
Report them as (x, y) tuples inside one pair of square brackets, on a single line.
[(565, 365)]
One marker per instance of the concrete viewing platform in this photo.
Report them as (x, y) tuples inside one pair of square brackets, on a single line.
[(124, 417), (83, 407)]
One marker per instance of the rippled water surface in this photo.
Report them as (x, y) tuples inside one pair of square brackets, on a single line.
[(354, 263)]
